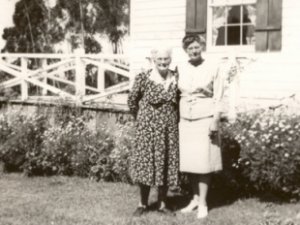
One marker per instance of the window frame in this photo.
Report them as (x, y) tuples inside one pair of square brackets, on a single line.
[(209, 46)]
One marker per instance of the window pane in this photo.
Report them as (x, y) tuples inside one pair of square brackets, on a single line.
[(234, 15), (220, 38), (233, 24), (248, 35), (249, 14), (218, 23), (234, 35)]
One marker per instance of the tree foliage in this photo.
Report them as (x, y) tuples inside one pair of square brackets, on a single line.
[(37, 27), (33, 31), (88, 17)]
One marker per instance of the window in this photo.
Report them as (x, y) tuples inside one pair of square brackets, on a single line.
[(231, 23), (249, 25)]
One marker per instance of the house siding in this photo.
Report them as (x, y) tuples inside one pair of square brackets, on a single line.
[(276, 75), (271, 75), (291, 26), (155, 22)]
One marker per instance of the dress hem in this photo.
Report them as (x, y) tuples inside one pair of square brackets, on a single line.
[(215, 170)]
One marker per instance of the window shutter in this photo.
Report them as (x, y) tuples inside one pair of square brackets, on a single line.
[(196, 16), (268, 25)]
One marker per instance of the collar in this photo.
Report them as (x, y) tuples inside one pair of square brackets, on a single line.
[(157, 78)]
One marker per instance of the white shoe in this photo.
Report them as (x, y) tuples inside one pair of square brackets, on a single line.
[(190, 207), (202, 211)]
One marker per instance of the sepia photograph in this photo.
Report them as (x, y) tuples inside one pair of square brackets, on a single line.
[(147, 112)]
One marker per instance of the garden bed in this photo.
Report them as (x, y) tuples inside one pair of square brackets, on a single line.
[(260, 150)]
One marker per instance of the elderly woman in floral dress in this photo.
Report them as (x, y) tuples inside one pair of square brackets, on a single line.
[(153, 102)]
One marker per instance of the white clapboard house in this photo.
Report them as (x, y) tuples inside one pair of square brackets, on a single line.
[(264, 35)]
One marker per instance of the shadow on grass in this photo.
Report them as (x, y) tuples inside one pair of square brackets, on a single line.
[(224, 188), (217, 197), (177, 202)]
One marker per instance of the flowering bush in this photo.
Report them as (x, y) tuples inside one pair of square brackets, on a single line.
[(269, 144)]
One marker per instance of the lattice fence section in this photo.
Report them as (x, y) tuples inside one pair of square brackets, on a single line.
[(84, 79)]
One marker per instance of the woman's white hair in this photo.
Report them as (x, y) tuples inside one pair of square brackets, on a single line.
[(160, 48)]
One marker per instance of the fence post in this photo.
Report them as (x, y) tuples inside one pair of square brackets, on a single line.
[(79, 78), (44, 79), (24, 84), (101, 77)]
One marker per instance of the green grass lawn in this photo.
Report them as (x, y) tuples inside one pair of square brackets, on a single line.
[(73, 200)]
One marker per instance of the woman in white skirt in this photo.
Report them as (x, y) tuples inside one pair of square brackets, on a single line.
[(202, 91)]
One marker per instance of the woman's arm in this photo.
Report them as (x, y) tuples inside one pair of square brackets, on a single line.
[(135, 95), (218, 95)]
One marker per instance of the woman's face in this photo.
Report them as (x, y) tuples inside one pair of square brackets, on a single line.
[(162, 61), (194, 51)]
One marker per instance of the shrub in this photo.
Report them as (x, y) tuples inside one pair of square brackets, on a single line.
[(260, 149), (101, 166), (21, 138), (121, 153), (5, 129), (269, 144), (70, 148), (67, 147)]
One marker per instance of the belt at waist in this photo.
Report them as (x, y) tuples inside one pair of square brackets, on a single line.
[(195, 119), (194, 96)]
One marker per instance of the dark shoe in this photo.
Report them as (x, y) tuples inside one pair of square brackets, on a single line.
[(140, 211), (166, 211)]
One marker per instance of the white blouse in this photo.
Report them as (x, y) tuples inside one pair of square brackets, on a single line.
[(202, 90)]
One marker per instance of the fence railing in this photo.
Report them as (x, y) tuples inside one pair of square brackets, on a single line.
[(84, 79)]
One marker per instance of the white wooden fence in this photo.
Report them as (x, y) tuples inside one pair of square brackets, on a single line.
[(49, 77)]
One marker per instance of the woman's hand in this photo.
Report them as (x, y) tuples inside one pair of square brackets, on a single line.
[(214, 129), (214, 126)]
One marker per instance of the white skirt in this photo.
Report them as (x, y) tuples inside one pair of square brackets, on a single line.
[(198, 153)]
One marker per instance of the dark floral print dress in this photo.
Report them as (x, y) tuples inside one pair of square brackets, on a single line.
[(155, 157)]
